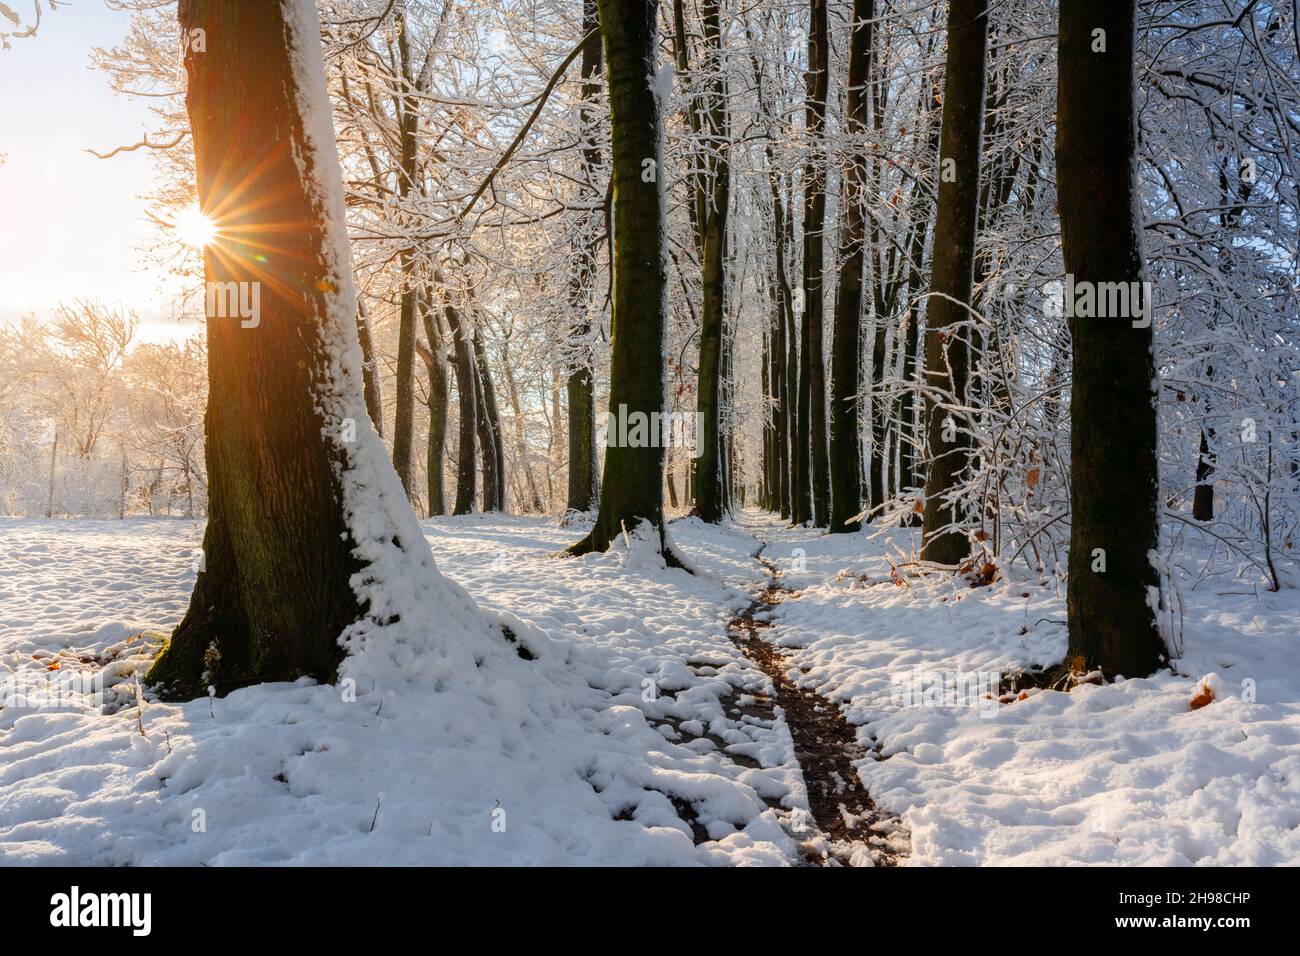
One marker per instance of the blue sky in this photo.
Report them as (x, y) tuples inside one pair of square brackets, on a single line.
[(71, 225)]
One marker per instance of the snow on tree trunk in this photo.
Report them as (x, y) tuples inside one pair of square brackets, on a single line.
[(311, 550)]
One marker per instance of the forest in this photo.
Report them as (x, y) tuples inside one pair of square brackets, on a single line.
[(665, 432)]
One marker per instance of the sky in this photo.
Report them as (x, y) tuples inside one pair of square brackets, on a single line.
[(72, 225)]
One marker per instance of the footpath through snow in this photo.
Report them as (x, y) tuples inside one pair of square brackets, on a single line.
[(1125, 773), (627, 724)]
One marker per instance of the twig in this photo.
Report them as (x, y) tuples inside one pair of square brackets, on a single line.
[(174, 141)]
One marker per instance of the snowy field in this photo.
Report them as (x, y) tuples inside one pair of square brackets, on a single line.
[(612, 744)]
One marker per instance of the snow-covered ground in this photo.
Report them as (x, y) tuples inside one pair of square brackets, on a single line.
[(576, 756), (1125, 773), (597, 749)]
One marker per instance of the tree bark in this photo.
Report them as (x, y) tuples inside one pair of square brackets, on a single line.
[(583, 482), (712, 201), (436, 363), (632, 485), (466, 473), (534, 499), (408, 184), (911, 398), (783, 361), (1203, 495), (370, 368), (796, 487), (766, 497), (811, 456), (274, 592), (1206, 458), (1114, 489), (946, 339), (846, 345), (491, 446)]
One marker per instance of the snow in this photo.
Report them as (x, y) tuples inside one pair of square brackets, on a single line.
[(1120, 774), (400, 586), (449, 748), (431, 745)]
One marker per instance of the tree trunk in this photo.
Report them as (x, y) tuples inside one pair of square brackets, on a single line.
[(1206, 459), (521, 433), (811, 457), (486, 449), (946, 338), (765, 475), (408, 184), (1203, 496), (878, 420), (796, 486), (370, 368), (846, 346), (489, 430), (909, 451), (466, 475), (436, 363), (632, 486), (781, 399), (583, 487), (1114, 491), (671, 479), (726, 436), (713, 200), (275, 591)]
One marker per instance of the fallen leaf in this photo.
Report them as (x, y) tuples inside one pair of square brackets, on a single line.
[(1204, 694)]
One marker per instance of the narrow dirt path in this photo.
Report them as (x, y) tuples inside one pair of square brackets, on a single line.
[(826, 748)]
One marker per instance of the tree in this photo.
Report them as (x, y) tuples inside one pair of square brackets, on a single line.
[(632, 484), (846, 345), (167, 391), (292, 457), (712, 195), (1114, 489), (947, 336), (580, 385), (435, 363), (466, 392), (409, 185), (369, 367), (811, 462), (91, 341), (490, 444)]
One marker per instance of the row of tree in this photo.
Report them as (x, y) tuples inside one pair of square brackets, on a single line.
[(515, 227), (935, 172), (93, 421)]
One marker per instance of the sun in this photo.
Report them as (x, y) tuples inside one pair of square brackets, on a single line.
[(194, 228)]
